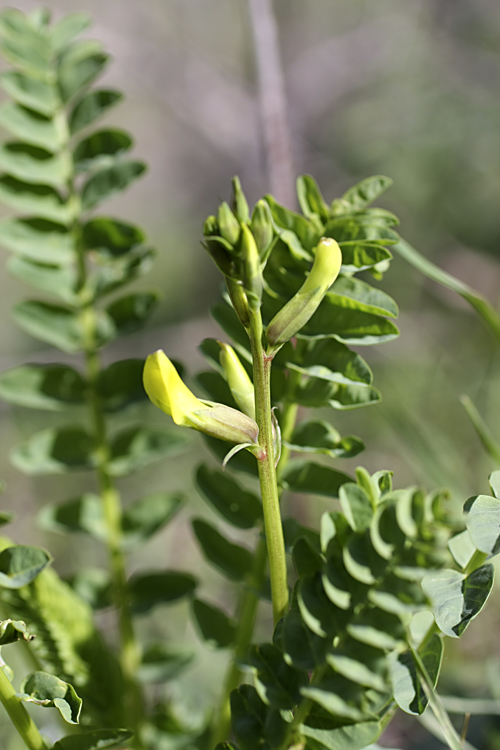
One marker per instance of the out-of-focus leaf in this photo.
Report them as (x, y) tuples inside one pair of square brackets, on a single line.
[(93, 586), (122, 272), (109, 181), (214, 625), (29, 198), (59, 326), (228, 321), (38, 239), (321, 437), (33, 164), (456, 599), (137, 447), (65, 30), (230, 559), (130, 313), (92, 106), (242, 461), (356, 506), (317, 393), (161, 663), (236, 505), (55, 451), (462, 548), (78, 66), (484, 433), (50, 387), (97, 740), (148, 590), (315, 479), (484, 309), (120, 384), (111, 238), (19, 565), (103, 145), (58, 281), (49, 691), (83, 514), (30, 126), (30, 92), (311, 201), (146, 516), (360, 256)]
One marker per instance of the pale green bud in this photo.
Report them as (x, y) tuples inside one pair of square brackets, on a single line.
[(167, 391), (239, 300), (262, 227), (295, 314), (252, 273), (240, 205), (229, 227), (210, 227), (237, 378)]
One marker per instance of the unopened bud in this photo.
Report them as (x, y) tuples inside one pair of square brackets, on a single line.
[(238, 380), (210, 227), (262, 228), (295, 314), (219, 251), (252, 274), (229, 227), (239, 300), (240, 205)]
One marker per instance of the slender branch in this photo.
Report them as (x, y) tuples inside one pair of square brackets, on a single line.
[(129, 650), (19, 715), (247, 613), (267, 469), (272, 97)]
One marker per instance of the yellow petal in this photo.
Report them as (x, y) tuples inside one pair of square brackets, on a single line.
[(166, 389)]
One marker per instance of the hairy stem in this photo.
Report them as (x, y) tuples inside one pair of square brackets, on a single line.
[(19, 716), (267, 469)]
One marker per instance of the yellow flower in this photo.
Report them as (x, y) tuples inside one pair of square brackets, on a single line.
[(167, 391), (237, 378)]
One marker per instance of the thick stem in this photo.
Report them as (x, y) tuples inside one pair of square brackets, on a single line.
[(19, 715), (267, 469)]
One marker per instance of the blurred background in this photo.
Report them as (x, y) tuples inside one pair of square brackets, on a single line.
[(406, 89)]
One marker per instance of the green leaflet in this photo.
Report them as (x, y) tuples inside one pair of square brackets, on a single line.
[(99, 740), (50, 692), (214, 626), (20, 565), (236, 505), (50, 387), (456, 599), (148, 590), (230, 559)]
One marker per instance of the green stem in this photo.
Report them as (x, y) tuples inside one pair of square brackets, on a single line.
[(267, 469), (129, 651), (19, 715), (250, 601), (247, 614)]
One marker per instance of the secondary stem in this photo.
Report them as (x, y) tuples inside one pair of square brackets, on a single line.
[(19, 715), (247, 613), (267, 469)]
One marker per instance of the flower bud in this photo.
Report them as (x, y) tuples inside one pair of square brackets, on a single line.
[(262, 227), (238, 300), (240, 205), (218, 250), (210, 227), (295, 314), (237, 378), (229, 227), (252, 274), (167, 391)]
